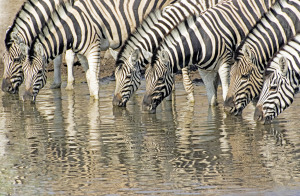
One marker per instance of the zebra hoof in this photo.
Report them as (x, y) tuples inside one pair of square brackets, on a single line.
[(54, 86), (69, 87)]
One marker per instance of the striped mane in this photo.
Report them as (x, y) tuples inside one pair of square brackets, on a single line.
[(24, 12), (238, 49), (48, 25)]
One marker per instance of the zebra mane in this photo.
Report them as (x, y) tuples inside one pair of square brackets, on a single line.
[(48, 25), (139, 30), (281, 48), (23, 12), (237, 49), (7, 39)]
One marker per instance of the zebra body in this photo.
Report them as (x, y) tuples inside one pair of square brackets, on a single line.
[(135, 54), (281, 83), (87, 27), (275, 29), (27, 24), (207, 41)]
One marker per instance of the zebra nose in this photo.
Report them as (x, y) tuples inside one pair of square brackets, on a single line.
[(148, 105), (28, 95), (7, 85), (117, 100), (259, 114), (146, 102), (228, 103)]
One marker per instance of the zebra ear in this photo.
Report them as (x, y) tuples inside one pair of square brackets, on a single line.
[(148, 55), (113, 53), (24, 49), (39, 50), (15, 38), (8, 28), (283, 64), (164, 56), (248, 52), (135, 56)]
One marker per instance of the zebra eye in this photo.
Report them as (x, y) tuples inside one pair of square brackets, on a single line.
[(273, 88), (245, 76), (17, 60)]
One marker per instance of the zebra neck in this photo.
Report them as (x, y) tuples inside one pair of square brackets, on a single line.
[(31, 18)]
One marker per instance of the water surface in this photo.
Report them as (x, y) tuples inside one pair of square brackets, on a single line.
[(67, 144)]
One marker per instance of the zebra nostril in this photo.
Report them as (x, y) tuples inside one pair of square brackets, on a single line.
[(258, 114)]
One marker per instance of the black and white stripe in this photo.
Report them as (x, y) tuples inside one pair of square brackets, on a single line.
[(88, 27), (27, 24), (281, 82), (277, 27), (135, 54), (207, 41)]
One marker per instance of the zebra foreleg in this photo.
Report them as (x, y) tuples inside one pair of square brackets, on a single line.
[(57, 73), (210, 80), (188, 85), (70, 55), (224, 73), (172, 94), (93, 72)]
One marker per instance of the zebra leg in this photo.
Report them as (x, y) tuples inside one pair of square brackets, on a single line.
[(210, 80), (169, 98), (93, 71), (188, 85), (57, 72), (84, 63), (70, 55), (224, 73)]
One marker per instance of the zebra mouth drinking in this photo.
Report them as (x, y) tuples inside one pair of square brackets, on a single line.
[(119, 101), (8, 87), (262, 115), (29, 97), (150, 103)]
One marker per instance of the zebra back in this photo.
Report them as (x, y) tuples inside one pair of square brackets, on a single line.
[(87, 27), (275, 29), (207, 41), (281, 81)]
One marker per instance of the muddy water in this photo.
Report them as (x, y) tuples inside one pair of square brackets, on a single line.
[(67, 144)]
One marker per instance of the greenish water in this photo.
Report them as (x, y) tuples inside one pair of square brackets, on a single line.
[(67, 144)]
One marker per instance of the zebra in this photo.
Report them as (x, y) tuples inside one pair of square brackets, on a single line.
[(281, 82), (135, 54), (86, 27), (275, 29), (27, 24), (207, 41)]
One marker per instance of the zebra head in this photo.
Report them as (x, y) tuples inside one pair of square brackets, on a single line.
[(277, 93), (128, 74), (246, 81), (34, 73), (159, 81), (13, 58)]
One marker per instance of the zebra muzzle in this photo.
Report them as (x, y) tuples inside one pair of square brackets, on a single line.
[(7, 86), (28, 96), (118, 101), (259, 114)]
